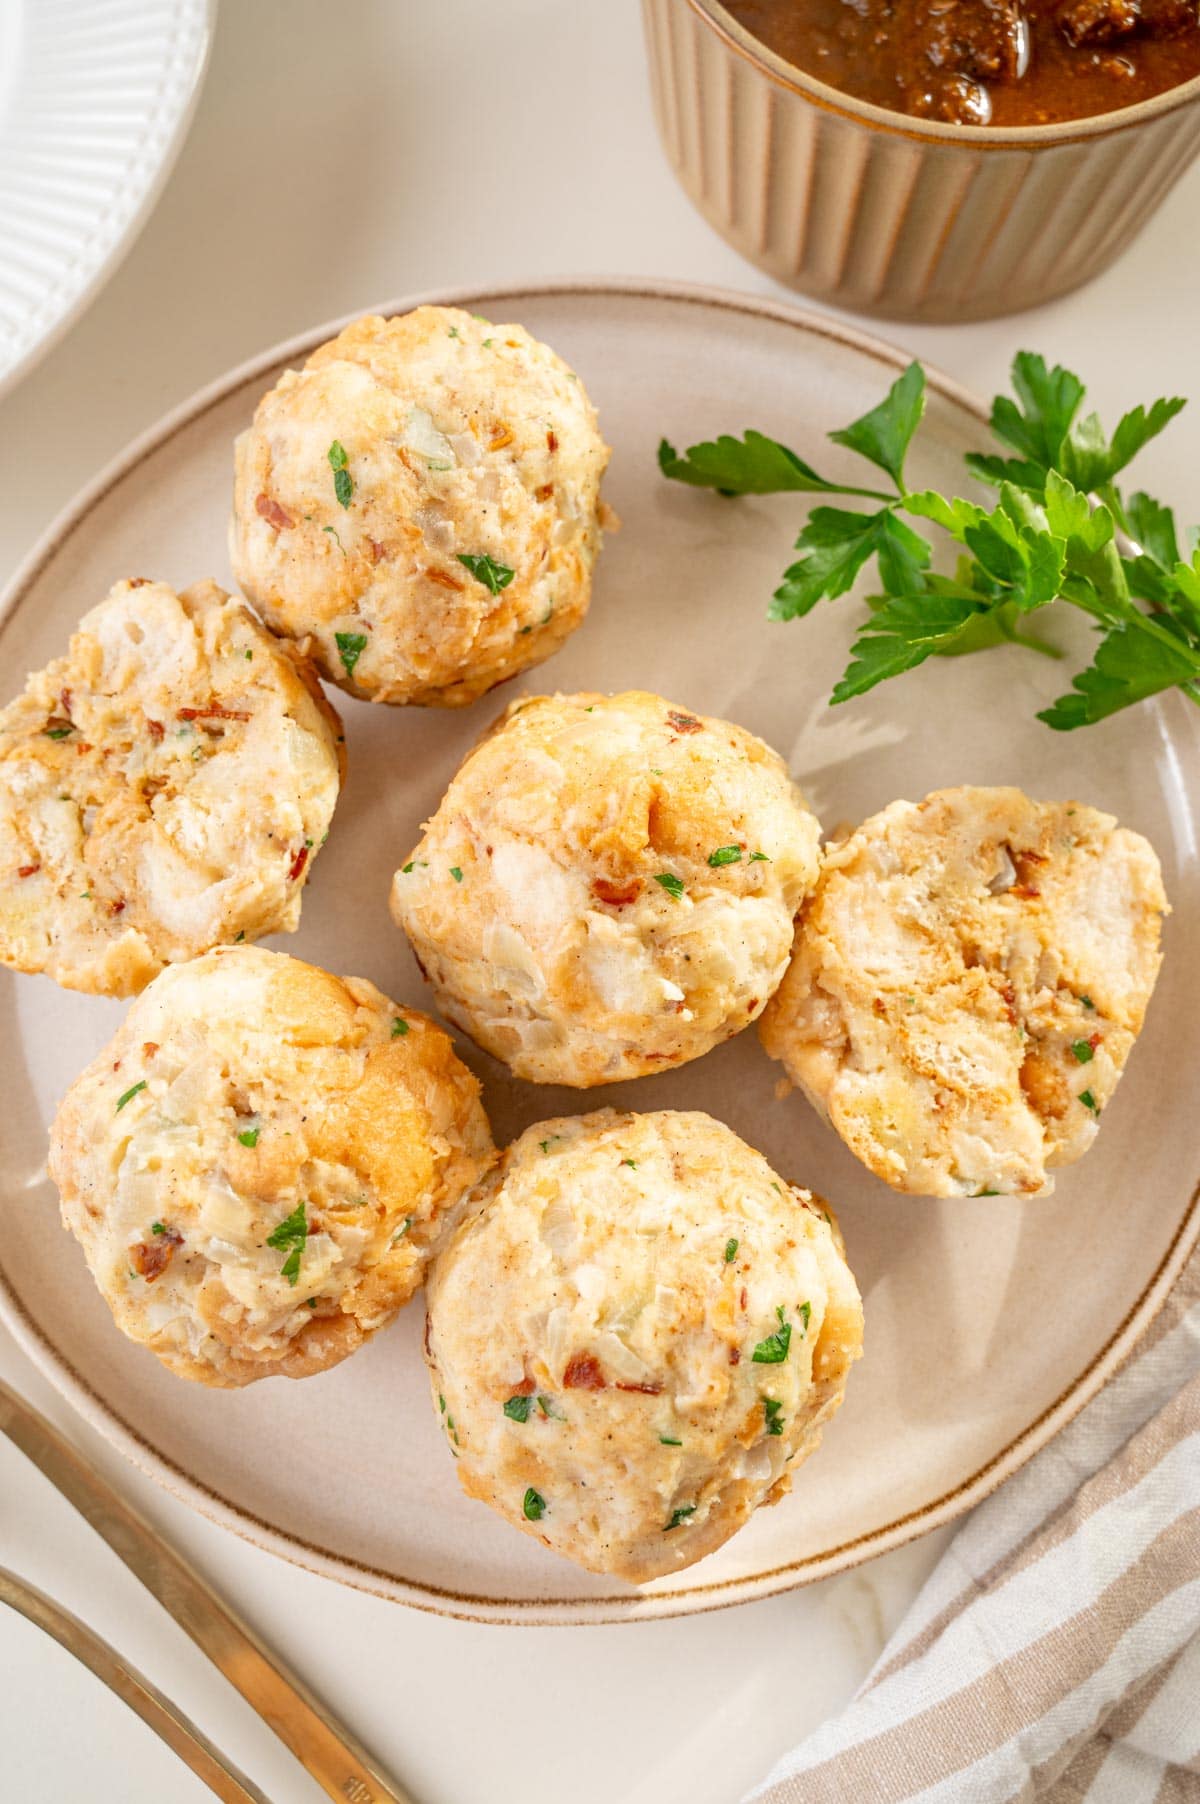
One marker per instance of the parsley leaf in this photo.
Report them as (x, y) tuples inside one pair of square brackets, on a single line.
[(1043, 424), (751, 465), (731, 1247), (1084, 1051), (291, 1232), (1093, 460), (343, 482), (534, 1505), (1135, 659), (1036, 424), (673, 885), (679, 1517), (836, 544), (399, 1028), (351, 647), (517, 1408), (901, 634), (486, 570), (774, 1350), (725, 855), (884, 435), (901, 556), (772, 1415), (249, 1136), (1153, 526)]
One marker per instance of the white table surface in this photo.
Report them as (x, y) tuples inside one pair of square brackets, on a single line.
[(341, 156)]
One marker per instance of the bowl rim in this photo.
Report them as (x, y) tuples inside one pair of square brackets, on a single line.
[(903, 125)]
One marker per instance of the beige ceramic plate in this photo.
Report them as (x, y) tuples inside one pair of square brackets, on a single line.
[(988, 1323)]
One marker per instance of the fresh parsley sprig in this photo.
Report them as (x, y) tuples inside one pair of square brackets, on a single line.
[(1060, 530)]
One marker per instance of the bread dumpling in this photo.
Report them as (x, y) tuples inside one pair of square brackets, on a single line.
[(608, 885), (636, 1335), (418, 507), (261, 1163), (165, 788), (969, 977)]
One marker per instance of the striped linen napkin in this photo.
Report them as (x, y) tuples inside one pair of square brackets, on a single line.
[(1054, 1653)]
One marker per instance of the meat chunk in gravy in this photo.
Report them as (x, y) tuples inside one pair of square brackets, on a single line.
[(987, 62)]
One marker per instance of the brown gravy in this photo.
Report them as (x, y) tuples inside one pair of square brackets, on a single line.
[(985, 62)]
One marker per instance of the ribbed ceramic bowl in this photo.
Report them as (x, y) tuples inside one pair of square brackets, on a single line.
[(884, 214)]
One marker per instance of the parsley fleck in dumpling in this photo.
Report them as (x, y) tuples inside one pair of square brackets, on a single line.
[(261, 1162), (635, 1335), (608, 886), (969, 977), (419, 506), (164, 788)]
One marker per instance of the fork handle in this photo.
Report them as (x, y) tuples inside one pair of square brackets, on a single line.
[(338, 1763), (177, 1730)]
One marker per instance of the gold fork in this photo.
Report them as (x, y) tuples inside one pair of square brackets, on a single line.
[(335, 1759), (177, 1730)]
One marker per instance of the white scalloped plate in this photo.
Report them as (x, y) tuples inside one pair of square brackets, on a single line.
[(95, 100), (989, 1323)]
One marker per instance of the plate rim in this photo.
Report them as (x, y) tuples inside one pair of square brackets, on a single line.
[(626, 1605), (96, 274)]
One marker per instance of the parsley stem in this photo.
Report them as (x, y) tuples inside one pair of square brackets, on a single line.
[(838, 488), (1080, 596), (1031, 643), (1109, 494)]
